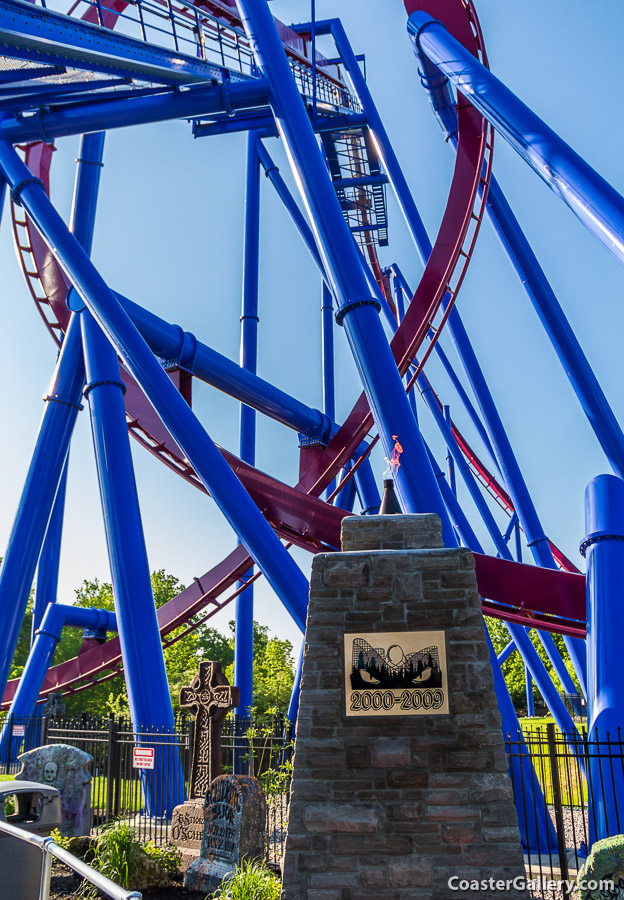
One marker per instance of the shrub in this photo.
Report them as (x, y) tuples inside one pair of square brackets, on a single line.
[(168, 857), (251, 881), (117, 856)]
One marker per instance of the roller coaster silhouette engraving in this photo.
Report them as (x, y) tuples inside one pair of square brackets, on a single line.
[(226, 66)]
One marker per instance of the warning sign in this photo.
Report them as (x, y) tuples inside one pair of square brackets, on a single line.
[(19, 730), (142, 757)]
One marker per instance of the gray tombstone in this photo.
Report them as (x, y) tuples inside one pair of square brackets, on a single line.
[(234, 829), (66, 768), (187, 830), (54, 707)]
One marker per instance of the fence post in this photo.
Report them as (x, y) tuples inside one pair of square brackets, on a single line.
[(558, 804), (113, 774)]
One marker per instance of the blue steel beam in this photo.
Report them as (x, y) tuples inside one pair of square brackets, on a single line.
[(139, 635), (357, 309), (141, 109), (575, 363), (528, 686), (506, 652), (280, 570), (42, 481), (243, 635), (454, 379), (47, 636), (327, 360), (540, 833), (170, 343), (49, 560), (507, 463), (489, 521), (31, 32), (603, 549), (263, 122), (590, 197), (141, 648), (533, 278)]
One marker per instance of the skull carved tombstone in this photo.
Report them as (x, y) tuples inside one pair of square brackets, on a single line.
[(67, 768)]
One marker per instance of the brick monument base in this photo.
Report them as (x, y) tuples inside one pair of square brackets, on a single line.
[(400, 788)]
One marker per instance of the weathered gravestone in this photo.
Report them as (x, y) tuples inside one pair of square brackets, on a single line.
[(210, 698), (400, 786), (66, 768), (602, 875), (234, 829), (54, 707)]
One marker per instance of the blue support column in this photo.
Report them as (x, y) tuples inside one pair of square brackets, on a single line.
[(599, 207), (346, 496), (139, 636), (49, 560), (514, 481), (575, 364), (47, 636), (449, 456), (42, 481), (357, 308), (243, 635), (281, 571), (327, 360), (603, 549), (528, 684), (144, 667), (506, 652)]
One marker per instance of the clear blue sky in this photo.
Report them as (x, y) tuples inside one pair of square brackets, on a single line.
[(168, 235)]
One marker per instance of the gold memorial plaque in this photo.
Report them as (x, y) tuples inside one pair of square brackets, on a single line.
[(398, 673)]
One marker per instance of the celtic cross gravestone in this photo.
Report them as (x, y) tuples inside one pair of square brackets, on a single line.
[(210, 697)]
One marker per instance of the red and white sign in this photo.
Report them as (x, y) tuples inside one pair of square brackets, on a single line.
[(142, 757), (19, 730)]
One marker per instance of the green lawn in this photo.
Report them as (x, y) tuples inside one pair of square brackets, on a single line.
[(572, 784)]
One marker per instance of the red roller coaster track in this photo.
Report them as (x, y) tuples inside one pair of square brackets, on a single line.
[(514, 592)]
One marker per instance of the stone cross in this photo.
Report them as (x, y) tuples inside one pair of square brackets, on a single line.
[(210, 697)]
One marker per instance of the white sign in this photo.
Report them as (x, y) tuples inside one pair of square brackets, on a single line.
[(142, 757), (395, 674), (19, 730)]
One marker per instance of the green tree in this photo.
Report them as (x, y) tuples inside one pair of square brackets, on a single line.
[(513, 667), (184, 650), (273, 670)]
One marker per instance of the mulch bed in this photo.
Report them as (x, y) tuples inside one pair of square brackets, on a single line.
[(64, 885)]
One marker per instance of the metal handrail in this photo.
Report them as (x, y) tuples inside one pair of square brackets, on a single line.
[(49, 849)]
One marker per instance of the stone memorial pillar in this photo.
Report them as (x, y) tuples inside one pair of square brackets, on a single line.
[(210, 697), (234, 829), (65, 768), (400, 786)]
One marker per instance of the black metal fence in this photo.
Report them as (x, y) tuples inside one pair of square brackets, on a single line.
[(562, 785), (261, 747), (559, 781)]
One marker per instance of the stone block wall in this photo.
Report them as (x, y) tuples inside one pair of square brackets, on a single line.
[(392, 807)]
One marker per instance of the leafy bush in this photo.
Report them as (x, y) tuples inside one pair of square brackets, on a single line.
[(58, 838), (251, 881), (168, 857), (117, 856)]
